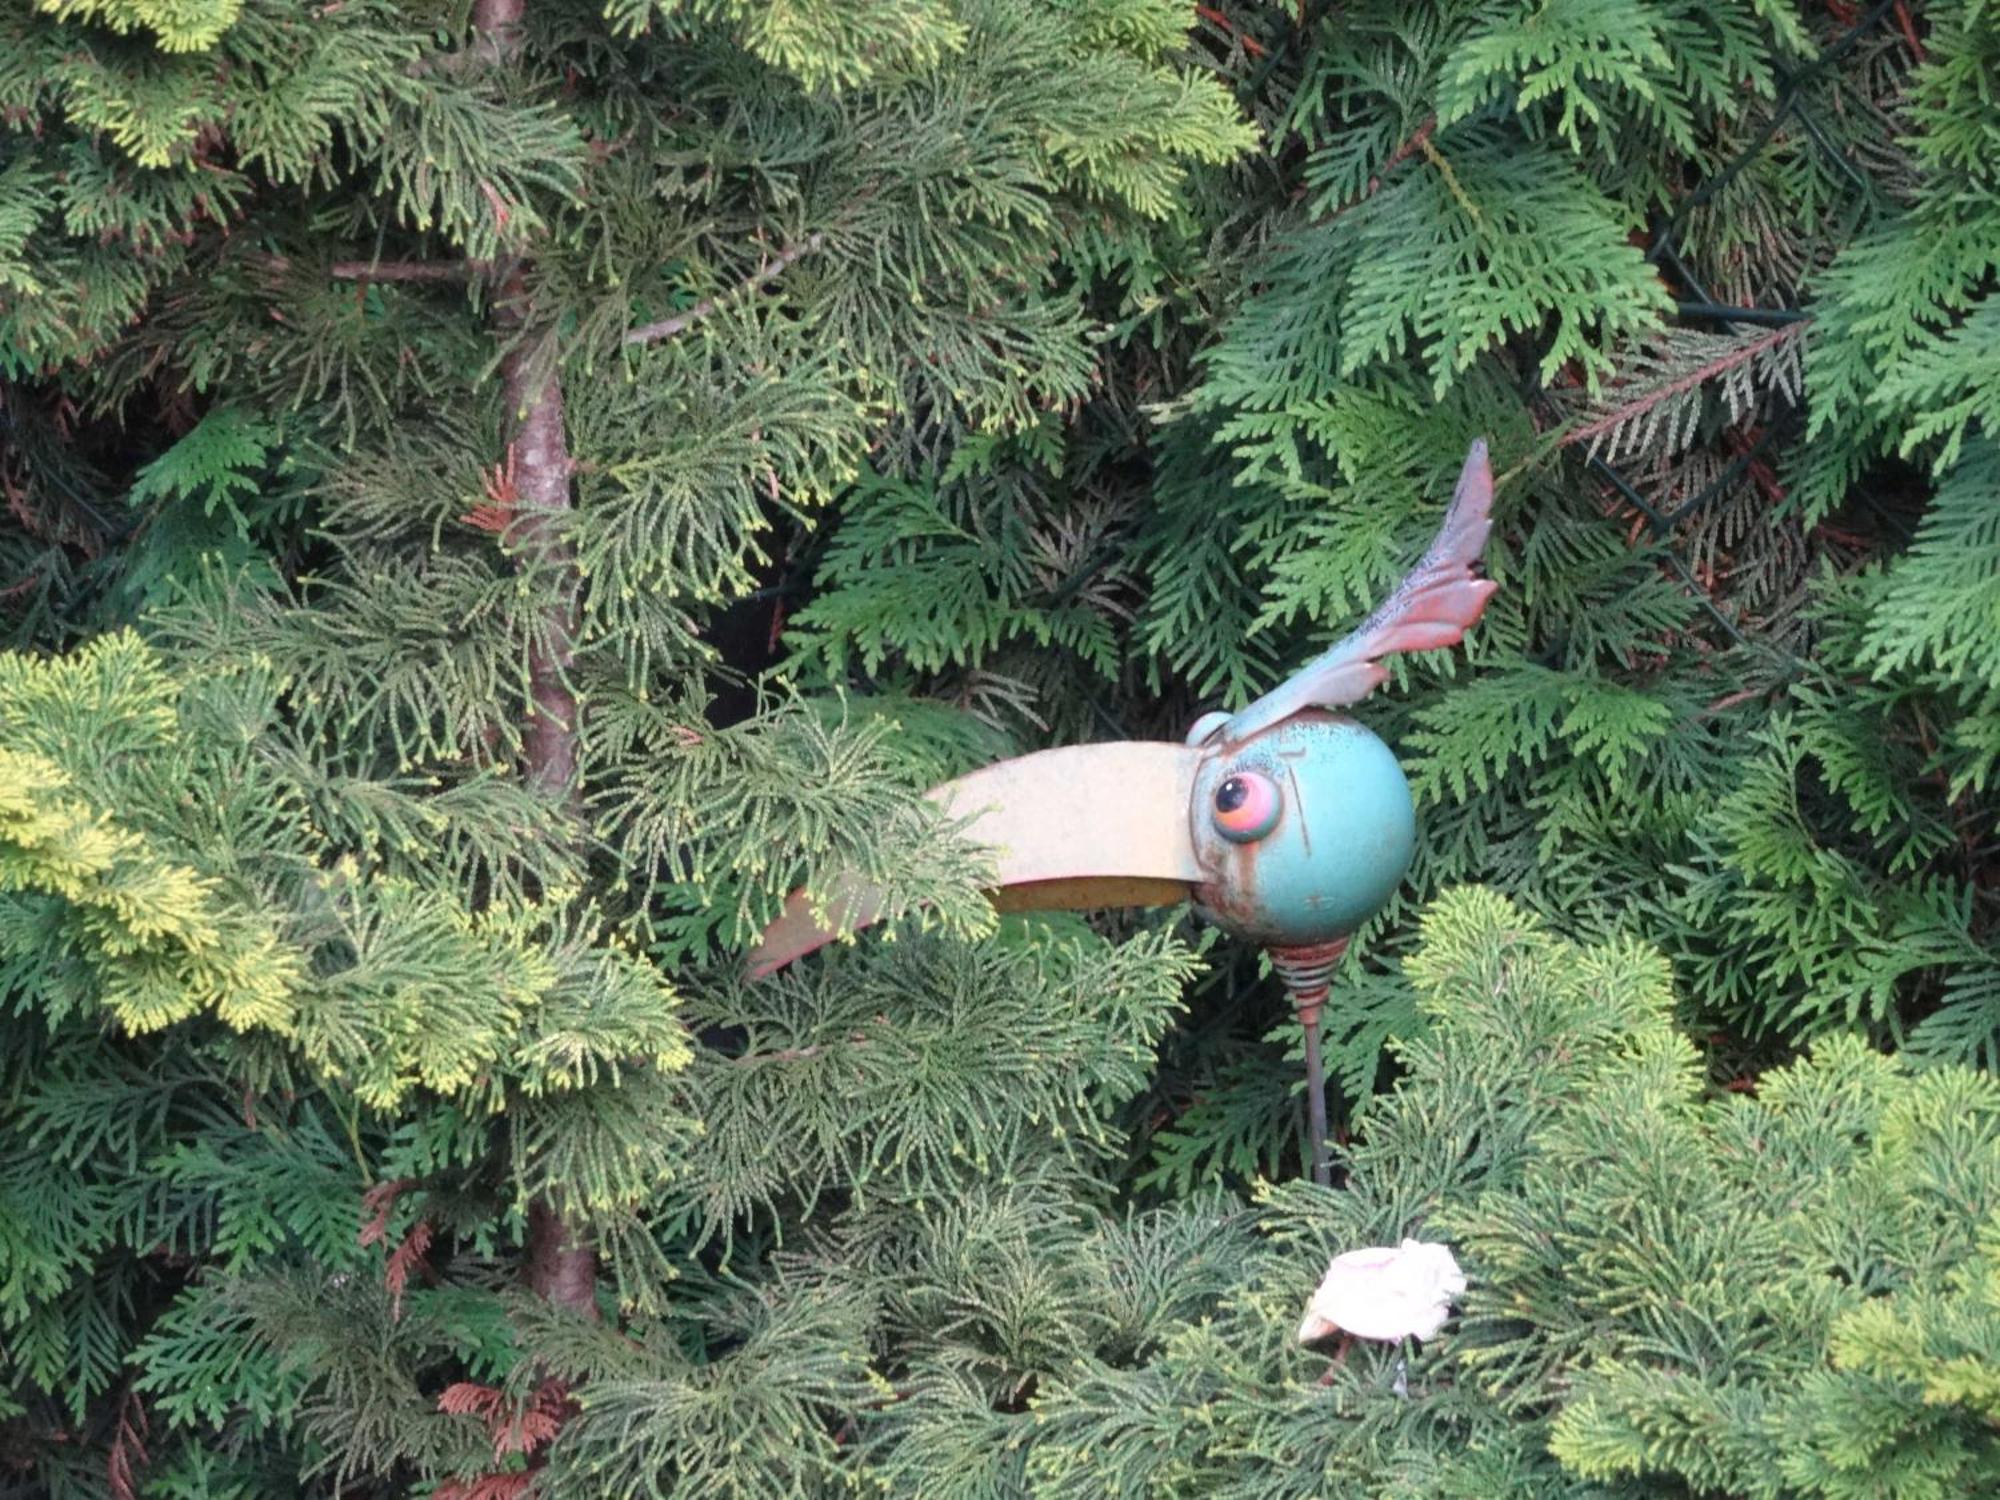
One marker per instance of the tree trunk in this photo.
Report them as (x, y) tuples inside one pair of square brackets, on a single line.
[(540, 465), (562, 1265)]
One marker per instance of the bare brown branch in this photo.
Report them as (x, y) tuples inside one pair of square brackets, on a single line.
[(1740, 355), (408, 270), (562, 1263), (1418, 140)]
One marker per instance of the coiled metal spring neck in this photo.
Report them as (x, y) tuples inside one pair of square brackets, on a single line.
[(1308, 974)]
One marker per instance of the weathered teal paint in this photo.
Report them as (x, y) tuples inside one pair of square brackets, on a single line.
[(1342, 843)]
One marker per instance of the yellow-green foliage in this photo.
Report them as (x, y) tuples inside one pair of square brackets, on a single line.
[(1940, 1338), (177, 25), (148, 929), (386, 991), (823, 43), (157, 940), (972, 363), (1787, 1293), (119, 891)]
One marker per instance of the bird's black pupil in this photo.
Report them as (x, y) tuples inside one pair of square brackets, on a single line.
[(1229, 796)]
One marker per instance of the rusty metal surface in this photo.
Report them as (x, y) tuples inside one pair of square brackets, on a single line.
[(1089, 893), (1308, 974)]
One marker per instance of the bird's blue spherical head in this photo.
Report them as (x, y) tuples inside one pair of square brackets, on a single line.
[(1303, 831)]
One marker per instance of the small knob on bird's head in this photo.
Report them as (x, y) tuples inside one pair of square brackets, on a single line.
[(1203, 729)]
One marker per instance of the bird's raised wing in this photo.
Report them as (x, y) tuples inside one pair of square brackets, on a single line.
[(1434, 606)]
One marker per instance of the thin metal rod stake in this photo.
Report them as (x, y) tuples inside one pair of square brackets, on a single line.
[(1308, 975), (1316, 1100)]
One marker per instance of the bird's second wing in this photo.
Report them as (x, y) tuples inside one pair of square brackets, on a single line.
[(1434, 606)]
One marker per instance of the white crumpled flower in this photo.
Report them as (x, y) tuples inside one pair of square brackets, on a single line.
[(1385, 1294)]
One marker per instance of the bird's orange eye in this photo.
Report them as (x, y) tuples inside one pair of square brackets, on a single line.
[(1246, 807)]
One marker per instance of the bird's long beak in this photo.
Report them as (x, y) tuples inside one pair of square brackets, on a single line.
[(1071, 829)]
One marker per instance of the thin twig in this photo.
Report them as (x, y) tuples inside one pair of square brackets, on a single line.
[(1680, 386), (1436, 158), (1667, 255), (407, 270), (1729, 701), (1249, 43), (1909, 30), (667, 328), (790, 1054), (1657, 523), (1828, 149), (1418, 140), (1302, 31), (1745, 457)]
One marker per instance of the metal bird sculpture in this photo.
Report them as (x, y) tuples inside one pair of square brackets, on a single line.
[(1287, 823)]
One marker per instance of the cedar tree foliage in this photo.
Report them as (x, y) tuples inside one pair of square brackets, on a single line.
[(499, 492)]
